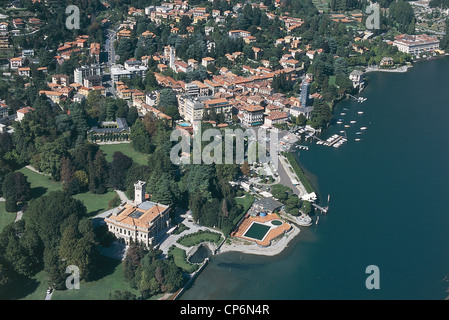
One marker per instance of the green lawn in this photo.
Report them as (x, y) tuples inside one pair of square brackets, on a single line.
[(180, 259), (246, 203), (95, 203), (5, 217), (99, 289), (126, 149), (40, 184)]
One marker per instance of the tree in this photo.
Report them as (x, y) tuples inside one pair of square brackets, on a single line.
[(121, 295), (140, 138), (245, 168), (167, 98), (50, 214), (22, 187), (10, 192), (133, 115), (118, 170), (306, 207), (281, 192)]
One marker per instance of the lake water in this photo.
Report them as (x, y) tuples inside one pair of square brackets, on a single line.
[(389, 204)]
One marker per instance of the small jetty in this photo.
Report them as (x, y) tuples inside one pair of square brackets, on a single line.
[(359, 99), (333, 141), (322, 209), (302, 147)]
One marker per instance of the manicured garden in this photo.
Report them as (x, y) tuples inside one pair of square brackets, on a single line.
[(180, 258), (193, 239)]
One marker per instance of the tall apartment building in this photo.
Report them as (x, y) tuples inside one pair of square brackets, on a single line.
[(79, 74)]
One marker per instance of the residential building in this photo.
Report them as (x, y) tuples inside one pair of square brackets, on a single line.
[(297, 111), (356, 77), (253, 115), (24, 71), (93, 81), (16, 62), (235, 34), (304, 96), (54, 96), (118, 71), (386, 61), (4, 110), (207, 61), (81, 73), (220, 105), (275, 117), (22, 112)]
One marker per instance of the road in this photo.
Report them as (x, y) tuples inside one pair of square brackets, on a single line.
[(111, 36), (109, 45)]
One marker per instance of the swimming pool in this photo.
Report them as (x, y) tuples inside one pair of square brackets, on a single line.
[(257, 231)]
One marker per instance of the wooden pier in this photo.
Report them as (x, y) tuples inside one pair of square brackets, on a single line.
[(322, 209)]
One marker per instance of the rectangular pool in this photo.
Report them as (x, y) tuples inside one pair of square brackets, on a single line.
[(257, 231)]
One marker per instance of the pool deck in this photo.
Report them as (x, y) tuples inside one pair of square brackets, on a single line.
[(273, 233)]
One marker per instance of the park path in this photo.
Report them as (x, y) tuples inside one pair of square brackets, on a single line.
[(122, 195)]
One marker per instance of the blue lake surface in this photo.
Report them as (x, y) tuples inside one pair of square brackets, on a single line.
[(389, 204)]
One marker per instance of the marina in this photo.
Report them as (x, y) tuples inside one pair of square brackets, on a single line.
[(333, 141)]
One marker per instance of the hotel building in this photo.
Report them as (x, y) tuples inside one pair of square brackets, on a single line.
[(416, 44)]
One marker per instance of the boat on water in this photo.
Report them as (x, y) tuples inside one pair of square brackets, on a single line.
[(360, 112), (345, 109), (339, 122), (358, 132), (317, 219), (342, 131), (347, 125), (343, 114), (363, 128), (357, 139), (353, 121)]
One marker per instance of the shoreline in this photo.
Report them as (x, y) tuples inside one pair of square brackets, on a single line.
[(246, 247), (397, 70)]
